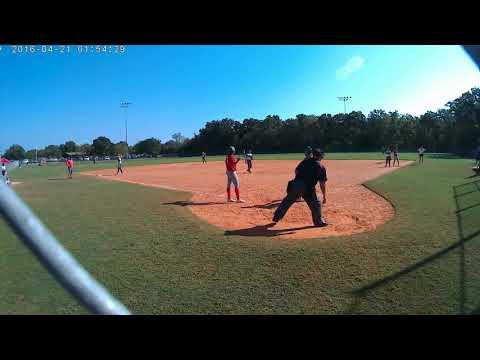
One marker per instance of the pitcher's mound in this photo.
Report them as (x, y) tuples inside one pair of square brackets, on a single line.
[(351, 208)]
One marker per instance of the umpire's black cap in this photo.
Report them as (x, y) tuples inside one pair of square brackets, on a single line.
[(317, 153)]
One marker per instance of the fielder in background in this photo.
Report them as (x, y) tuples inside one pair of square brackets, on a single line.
[(119, 165), (249, 159), (204, 157), (477, 157), (396, 157), (5, 173), (231, 164), (69, 164), (388, 156), (421, 150), (307, 174)]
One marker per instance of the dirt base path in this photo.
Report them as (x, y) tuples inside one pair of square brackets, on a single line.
[(350, 208)]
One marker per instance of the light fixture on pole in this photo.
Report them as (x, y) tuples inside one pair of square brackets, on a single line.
[(344, 99), (125, 105)]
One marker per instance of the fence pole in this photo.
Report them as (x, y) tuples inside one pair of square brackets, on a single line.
[(55, 257)]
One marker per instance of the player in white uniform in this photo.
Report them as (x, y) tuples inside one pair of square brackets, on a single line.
[(5, 174), (388, 156), (119, 165), (421, 151), (249, 159)]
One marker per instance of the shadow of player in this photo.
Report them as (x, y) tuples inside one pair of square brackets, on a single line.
[(472, 176), (270, 205), (476, 172), (191, 203), (265, 230)]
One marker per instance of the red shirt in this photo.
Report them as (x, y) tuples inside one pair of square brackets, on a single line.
[(231, 163), (69, 163)]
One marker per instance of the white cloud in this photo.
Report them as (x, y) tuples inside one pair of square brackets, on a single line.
[(353, 64), (433, 95)]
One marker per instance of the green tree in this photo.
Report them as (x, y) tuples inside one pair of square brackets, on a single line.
[(179, 139), (149, 146), (446, 130), (120, 148), (86, 149), (15, 152), (30, 154), (247, 133), (102, 146), (170, 147), (52, 151), (466, 111), (69, 146)]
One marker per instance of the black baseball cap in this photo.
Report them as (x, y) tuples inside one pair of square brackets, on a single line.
[(318, 153)]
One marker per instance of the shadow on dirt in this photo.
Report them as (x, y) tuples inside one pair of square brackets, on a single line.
[(265, 230), (191, 203), (270, 205)]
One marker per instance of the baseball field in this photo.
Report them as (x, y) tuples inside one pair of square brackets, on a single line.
[(164, 241)]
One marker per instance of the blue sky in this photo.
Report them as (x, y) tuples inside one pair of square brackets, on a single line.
[(49, 99)]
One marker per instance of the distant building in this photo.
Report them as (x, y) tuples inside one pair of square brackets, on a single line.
[(76, 155)]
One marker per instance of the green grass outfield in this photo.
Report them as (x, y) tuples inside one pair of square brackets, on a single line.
[(160, 259)]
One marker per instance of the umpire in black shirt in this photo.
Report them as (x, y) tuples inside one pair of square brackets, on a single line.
[(307, 174)]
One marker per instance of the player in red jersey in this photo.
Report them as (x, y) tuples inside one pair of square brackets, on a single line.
[(231, 165), (69, 163)]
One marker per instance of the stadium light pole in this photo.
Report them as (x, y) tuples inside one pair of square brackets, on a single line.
[(125, 105), (344, 99)]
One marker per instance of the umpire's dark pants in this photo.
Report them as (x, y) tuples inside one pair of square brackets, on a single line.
[(298, 190)]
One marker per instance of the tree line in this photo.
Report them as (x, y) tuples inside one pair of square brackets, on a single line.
[(101, 146), (455, 129)]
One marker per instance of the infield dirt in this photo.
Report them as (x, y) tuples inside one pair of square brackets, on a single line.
[(351, 208)]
